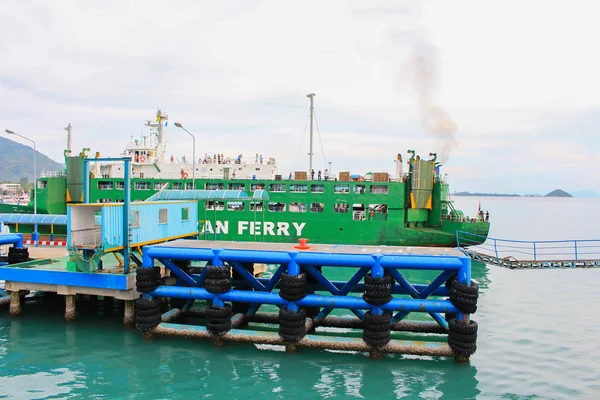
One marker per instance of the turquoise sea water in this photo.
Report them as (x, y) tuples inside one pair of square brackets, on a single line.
[(537, 332)]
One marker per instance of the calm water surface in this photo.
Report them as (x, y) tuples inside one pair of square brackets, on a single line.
[(537, 339)]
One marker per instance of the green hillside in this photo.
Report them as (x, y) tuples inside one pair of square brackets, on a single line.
[(17, 162)]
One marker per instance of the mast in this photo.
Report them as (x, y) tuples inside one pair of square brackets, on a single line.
[(158, 124), (311, 96), (69, 138)]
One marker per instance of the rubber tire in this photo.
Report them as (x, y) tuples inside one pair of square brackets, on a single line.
[(460, 337), (292, 297), (146, 327), (462, 348), (298, 331), (149, 319), (291, 316), (376, 343), (218, 328), (376, 301), (146, 304), (472, 289), (376, 336), (218, 312), (18, 250), (220, 272), (292, 324), (148, 312), (293, 281), (458, 327)]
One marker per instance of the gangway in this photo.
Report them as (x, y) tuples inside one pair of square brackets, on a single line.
[(530, 254)]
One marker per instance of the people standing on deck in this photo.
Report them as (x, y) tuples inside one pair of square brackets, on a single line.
[(312, 175), (326, 174), (260, 158), (239, 159), (256, 159), (487, 216), (319, 175), (290, 178)]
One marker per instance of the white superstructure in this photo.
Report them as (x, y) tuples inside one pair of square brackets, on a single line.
[(149, 161)]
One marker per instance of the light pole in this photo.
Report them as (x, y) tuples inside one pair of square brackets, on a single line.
[(178, 124), (34, 168)]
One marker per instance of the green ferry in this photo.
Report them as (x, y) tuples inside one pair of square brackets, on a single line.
[(248, 200)]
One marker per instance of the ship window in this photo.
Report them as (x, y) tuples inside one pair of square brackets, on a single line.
[(120, 201), (360, 189), (142, 186), (256, 206), (185, 214), (378, 212), (42, 184), (236, 186), (105, 185), (256, 186), (177, 185), (341, 188), (317, 188), (163, 216), (276, 187), (121, 185), (298, 188), (379, 189), (189, 186), (215, 205), (235, 206), (341, 208), (214, 186), (159, 185), (135, 219), (276, 207), (317, 207), (358, 212), (298, 207), (104, 200)]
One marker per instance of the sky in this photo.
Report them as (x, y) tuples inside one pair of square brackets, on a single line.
[(506, 92)]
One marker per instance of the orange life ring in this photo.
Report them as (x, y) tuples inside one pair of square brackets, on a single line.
[(184, 175), (142, 159), (361, 179)]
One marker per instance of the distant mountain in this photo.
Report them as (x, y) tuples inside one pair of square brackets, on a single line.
[(585, 193), (558, 193), (17, 162)]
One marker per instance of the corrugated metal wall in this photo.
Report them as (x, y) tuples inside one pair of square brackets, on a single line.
[(149, 228)]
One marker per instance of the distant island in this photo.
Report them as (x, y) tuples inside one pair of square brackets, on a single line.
[(554, 193), (487, 194), (558, 193)]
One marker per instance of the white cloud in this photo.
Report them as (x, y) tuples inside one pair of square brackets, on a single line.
[(518, 78)]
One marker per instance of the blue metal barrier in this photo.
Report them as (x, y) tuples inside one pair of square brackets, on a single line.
[(293, 262), (539, 250)]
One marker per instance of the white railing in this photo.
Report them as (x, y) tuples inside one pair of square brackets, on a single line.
[(86, 238), (53, 174)]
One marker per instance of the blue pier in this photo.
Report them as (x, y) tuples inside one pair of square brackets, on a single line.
[(247, 293)]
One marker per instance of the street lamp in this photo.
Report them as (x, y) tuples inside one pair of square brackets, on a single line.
[(34, 168), (178, 124)]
